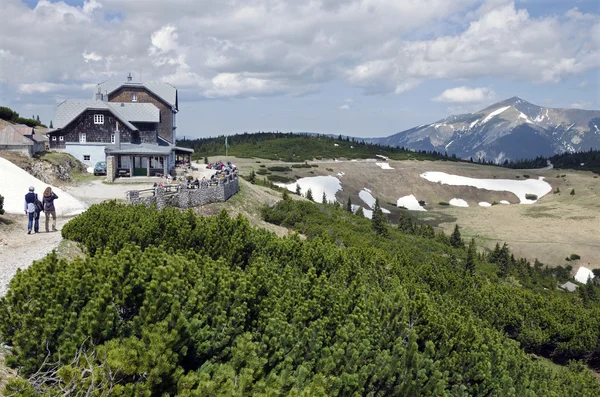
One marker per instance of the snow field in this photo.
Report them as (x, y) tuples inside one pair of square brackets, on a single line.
[(410, 203), (385, 166), (484, 204), (458, 202), (519, 187), (15, 182), (366, 196), (583, 274), (330, 185)]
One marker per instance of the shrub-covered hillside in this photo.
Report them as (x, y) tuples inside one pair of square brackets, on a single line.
[(298, 148), (168, 303)]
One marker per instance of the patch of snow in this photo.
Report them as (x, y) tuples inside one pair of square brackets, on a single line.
[(351, 147), (583, 274), (494, 113), (474, 123), (484, 204), (367, 212), (335, 144), (381, 156), (522, 116), (329, 185), (519, 187), (449, 144), (366, 196), (410, 202), (384, 166), (505, 202), (341, 173), (368, 190), (458, 202), (354, 160), (15, 182), (90, 170)]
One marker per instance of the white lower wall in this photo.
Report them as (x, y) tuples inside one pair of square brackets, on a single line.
[(96, 153)]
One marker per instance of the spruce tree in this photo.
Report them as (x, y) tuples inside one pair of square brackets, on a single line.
[(378, 220), (324, 201), (455, 239), (349, 205), (298, 190), (205, 160), (252, 177), (285, 195), (309, 195), (471, 254), (360, 212), (51, 126)]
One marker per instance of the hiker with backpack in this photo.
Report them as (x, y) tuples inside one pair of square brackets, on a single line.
[(49, 210), (33, 207)]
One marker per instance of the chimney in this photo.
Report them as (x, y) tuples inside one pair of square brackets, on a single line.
[(129, 78), (118, 139), (99, 95)]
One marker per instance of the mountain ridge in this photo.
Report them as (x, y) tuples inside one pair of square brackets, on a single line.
[(511, 129)]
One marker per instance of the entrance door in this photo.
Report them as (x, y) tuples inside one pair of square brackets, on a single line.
[(140, 165)]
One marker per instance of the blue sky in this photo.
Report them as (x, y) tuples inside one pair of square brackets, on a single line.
[(356, 67)]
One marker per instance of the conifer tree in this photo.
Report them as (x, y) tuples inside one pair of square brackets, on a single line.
[(349, 205), (252, 177), (285, 195), (324, 200), (298, 190), (51, 126), (378, 220), (455, 239), (309, 195), (471, 254), (360, 212)]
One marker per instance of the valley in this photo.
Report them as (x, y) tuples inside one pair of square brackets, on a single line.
[(556, 226)]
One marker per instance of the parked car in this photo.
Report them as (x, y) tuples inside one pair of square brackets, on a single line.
[(100, 168)]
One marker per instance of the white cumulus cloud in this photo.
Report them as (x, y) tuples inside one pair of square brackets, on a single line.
[(465, 95), (344, 107)]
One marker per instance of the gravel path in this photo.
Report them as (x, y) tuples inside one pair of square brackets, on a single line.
[(19, 250)]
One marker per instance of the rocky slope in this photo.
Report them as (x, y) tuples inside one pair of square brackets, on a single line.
[(509, 130)]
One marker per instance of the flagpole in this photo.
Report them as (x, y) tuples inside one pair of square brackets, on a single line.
[(226, 151)]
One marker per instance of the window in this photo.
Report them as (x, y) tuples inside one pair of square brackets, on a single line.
[(98, 119), (54, 138), (82, 138), (61, 138), (112, 138), (86, 157), (133, 97)]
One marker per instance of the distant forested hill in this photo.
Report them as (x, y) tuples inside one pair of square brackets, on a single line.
[(583, 161), (300, 147)]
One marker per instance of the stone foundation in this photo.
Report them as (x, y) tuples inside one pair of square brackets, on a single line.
[(181, 197)]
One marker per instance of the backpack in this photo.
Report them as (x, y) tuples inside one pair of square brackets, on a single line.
[(39, 207)]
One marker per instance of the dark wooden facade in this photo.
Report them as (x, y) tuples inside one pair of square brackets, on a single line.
[(167, 113), (101, 133)]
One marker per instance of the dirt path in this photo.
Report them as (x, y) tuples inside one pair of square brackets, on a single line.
[(19, 250)]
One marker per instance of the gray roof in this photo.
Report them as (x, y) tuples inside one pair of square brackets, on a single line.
[(143, 148), (9, 135), (70, 109), (164, 91), (137, 112)]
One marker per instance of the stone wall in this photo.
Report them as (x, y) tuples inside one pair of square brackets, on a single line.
[(182, 197)]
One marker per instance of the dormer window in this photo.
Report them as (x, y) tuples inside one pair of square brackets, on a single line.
[(54, 138), (133, 97), (98, 119), (112, 138)]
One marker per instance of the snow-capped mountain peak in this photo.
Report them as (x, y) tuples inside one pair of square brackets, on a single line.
[(511, 129)]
